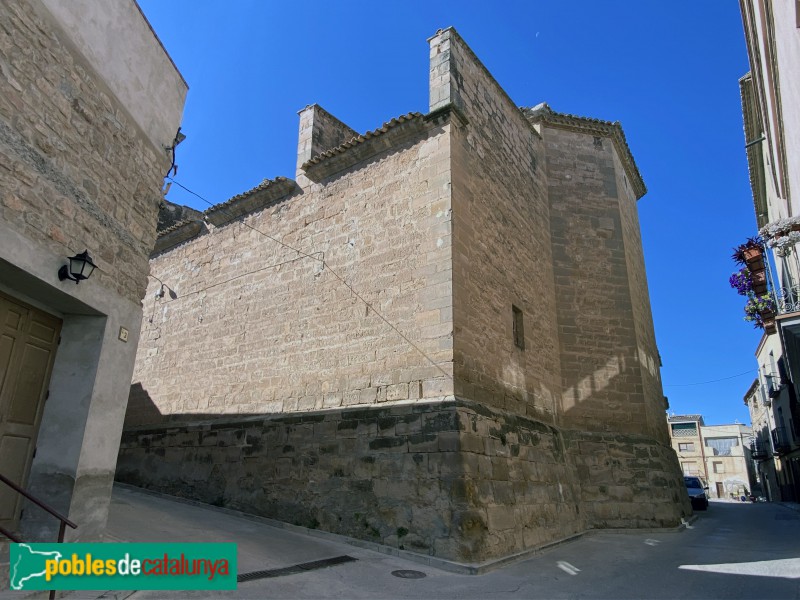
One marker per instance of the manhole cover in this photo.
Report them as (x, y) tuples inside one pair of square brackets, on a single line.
[(409, 574)]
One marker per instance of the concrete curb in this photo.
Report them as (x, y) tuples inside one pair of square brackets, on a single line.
[(790, 505)]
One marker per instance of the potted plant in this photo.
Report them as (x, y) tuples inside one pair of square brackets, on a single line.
[(751, 253), (770, 326), (759, 282), (779, 229), (760, 310)]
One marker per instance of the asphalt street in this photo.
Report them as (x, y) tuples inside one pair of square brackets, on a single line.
[(733, 550)]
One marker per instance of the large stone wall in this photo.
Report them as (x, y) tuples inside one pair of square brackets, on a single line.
[(501, 244), (648, 356), (255, 328), (599, 372), (266, 384)]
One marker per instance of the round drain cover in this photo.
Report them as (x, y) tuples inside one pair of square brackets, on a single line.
[(409, 574)]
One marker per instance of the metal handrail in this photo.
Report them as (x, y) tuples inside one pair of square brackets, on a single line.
[(9, 535), (64, 520), (61, 529)]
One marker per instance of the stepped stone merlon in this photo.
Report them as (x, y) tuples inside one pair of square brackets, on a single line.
[(319, 131), (444, 75)]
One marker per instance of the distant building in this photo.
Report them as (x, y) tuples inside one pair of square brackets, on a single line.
[(460, 360), (688, 445), (771, 110), (718, 454), (767, 461), (89, 104)]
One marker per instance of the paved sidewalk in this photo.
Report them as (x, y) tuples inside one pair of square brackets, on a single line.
[(736, 551), (140, 516)]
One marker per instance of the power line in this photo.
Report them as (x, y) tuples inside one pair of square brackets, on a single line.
[(321, 259), (712, 381)]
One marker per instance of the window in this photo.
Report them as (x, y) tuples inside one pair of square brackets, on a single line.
[(719, 467), (689, 468), (722, 446), (684, 430), (518, 328), (687, 447)]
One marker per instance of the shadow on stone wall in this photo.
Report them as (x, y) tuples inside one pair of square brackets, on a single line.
[(449, 479)]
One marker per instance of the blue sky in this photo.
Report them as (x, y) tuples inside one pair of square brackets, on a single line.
[(668, 71)]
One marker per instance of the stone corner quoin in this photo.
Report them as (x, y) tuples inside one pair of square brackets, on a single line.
[(485, 382)]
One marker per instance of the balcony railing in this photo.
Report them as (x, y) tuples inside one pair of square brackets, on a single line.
[(787, 299), (759, 450), (780, 440)]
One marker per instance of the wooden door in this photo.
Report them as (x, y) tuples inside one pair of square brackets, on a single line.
[(28, 342), (720, 490)]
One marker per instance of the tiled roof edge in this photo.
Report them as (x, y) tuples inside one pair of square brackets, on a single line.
[(675, 418), (392, 133), (177, 234), (250, 201), (363, 146), (611, 129)]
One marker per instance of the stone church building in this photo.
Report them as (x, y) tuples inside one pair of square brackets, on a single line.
[(437, 337)]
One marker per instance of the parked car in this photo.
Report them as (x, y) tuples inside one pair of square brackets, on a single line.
[(697, 492)]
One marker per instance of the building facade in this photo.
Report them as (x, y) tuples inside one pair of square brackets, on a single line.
[(761, 449), (719, 454), (437, 336), (82, 160), (687, 442), (771, 109)]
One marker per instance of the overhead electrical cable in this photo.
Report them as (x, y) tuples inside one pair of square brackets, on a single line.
[(319, 257), (712, 381)]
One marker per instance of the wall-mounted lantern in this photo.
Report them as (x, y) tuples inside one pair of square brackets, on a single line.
[(80, 268)]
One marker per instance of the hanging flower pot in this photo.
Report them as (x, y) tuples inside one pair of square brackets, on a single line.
[(751, 253), (767, 315), (780, 229), (760, 310), (759, 282), (770, 326)]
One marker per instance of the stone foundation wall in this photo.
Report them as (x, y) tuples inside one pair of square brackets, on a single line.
[(446, 479), (453, 480), (627, 481)]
